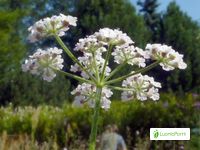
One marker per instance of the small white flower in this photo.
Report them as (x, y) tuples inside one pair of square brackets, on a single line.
[(86, 94), (47, 26), (170, 59), (141, 87), (41, 63), (75, 68), (105, 103)]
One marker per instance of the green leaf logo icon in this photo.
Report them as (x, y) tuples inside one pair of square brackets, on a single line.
[(155, 134)]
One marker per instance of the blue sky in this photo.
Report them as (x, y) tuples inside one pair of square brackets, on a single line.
[(191, 7)]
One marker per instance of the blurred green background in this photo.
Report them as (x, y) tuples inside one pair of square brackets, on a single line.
[(172, 27)]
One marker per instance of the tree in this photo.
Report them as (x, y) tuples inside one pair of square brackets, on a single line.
[(16, 86), (181, 32), (152, 18), (11, 51)]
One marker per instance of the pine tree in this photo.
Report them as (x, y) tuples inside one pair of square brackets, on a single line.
[(152, 17), (181, 32), (11, 51)]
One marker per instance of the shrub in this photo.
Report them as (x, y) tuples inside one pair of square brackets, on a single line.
[(65, 124)]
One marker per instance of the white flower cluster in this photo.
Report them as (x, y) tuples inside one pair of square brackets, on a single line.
[(92, 49), (92, 64), (117, 37), (86, 93), (131, 55), (92, 58), (141, 87), (47, 26), (170, 59), (90, 44), (42, 62)]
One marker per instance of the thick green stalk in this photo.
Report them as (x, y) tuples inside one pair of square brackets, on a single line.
[(96, 67), (72, 56), (134, 73), (93, 134), (117, 69), (120, 88), (73, 76), (110, 46)]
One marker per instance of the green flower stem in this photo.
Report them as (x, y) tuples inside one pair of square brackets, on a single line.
[(134, 73), (73, 76), (110, 46), (72, 56), (117, 69), (93, 133), (120, 88), (95, 67)]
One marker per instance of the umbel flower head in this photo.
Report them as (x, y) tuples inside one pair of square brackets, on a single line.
[(92, 64), (170, 59), (48, 26), (117, 37), (42, 62), (85, 94), (141, 87), (131, 55), (92, 58)]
